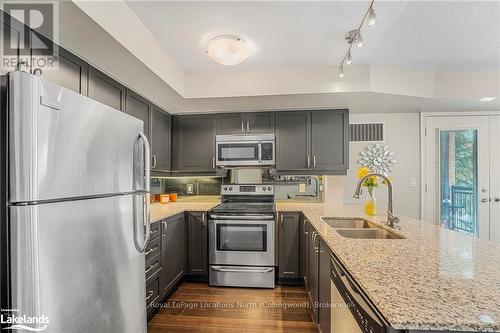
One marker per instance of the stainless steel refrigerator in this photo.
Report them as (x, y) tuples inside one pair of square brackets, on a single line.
[(76, 182)]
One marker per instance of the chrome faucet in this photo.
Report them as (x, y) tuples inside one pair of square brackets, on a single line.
[(392, 221)]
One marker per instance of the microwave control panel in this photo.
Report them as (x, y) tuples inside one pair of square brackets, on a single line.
[(267, 151)]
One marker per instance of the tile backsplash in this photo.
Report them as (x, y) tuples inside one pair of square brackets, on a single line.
[(187, 186)]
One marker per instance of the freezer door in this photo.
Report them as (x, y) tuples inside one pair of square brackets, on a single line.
[(76, 264), (65, 145)]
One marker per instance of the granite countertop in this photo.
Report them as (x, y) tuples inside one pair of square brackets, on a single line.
[(161, 211), (435, 279)]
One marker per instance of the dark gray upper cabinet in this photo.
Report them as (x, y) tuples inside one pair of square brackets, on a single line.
[(324, 293), (15, 42), (230, 123), (329, 139), (313, 269), (140, 108), (197, 234), (292, 140), (173, 252), (161, 139), (312, 142), (68, 70), (288, 260), (259, 122), (193, 143), (245, 123), (106, 90)]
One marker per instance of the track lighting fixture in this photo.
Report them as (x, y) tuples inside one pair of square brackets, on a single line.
[(354, 36)]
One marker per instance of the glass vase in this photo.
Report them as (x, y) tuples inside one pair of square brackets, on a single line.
[(371, 204)]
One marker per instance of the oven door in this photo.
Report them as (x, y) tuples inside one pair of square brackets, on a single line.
[(241, 242)]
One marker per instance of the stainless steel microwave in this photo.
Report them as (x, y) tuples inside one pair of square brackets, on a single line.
[(245, 150)]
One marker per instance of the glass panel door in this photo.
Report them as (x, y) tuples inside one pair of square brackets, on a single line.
[(457, 174), (241, 237), (458, 180)]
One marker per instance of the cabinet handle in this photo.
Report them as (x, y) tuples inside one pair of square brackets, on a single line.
[(308, 161), (154, 162), (281, 221), (151, 267), (289, 273), (213, 162), (248, 127), (150, 293), (314, 161), (151, 250), (242, 128), (197, 270), (204, 220), (165, 227), (496, 199), (304, 226)]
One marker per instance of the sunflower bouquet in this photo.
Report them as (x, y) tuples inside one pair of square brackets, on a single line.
[(370, 183)]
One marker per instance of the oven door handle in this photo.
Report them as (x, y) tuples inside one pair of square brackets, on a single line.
[(241, 270), (247, 217)]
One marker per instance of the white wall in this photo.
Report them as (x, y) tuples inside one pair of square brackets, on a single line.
[(402, 135)]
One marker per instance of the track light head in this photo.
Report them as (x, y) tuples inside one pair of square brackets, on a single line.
[(359, 39), (372, 17), (348, 59), (341, 71)]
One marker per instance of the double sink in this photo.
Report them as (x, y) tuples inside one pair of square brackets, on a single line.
[(359, 228)]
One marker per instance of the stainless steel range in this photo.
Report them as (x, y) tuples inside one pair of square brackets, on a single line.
[(242, 237)]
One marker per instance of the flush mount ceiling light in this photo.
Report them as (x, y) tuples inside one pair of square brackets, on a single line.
[(228, 50), (354, 37), (487, 99)]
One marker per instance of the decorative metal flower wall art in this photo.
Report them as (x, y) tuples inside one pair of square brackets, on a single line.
[(378, 158)]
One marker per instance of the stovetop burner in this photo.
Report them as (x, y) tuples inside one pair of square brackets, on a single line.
[(242, 208)]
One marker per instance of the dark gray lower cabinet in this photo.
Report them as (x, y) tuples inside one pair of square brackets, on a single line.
[(173, 243), (304, 241), (197, 238), (153, 268), (288, 239), (313, 270), (324, 293)]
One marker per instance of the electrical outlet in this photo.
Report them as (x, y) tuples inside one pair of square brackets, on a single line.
[(413, 182)]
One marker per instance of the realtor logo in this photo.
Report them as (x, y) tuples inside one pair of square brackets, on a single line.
[(28, 32), (11, 320)]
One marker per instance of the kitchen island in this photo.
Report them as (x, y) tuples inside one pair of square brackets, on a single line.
[(432, 279)]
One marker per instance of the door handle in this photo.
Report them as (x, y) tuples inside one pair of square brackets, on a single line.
[(143, 192), (241, 270)]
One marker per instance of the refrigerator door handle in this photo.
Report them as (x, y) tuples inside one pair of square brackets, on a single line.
[(143, 194)]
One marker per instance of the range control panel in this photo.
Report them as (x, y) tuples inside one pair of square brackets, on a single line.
[(247, 189)]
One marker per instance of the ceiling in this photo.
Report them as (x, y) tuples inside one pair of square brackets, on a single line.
[(423, 34)]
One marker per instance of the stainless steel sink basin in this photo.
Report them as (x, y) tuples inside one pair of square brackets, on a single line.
[(368, 234), (337, 222)]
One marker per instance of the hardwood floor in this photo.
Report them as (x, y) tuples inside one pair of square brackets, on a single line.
[(196, 307)]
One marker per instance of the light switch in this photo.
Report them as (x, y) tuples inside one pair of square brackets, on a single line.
[(413, 182), (302, 188)]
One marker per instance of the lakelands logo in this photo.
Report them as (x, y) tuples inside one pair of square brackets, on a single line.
[(12, 321), (27, 35)]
